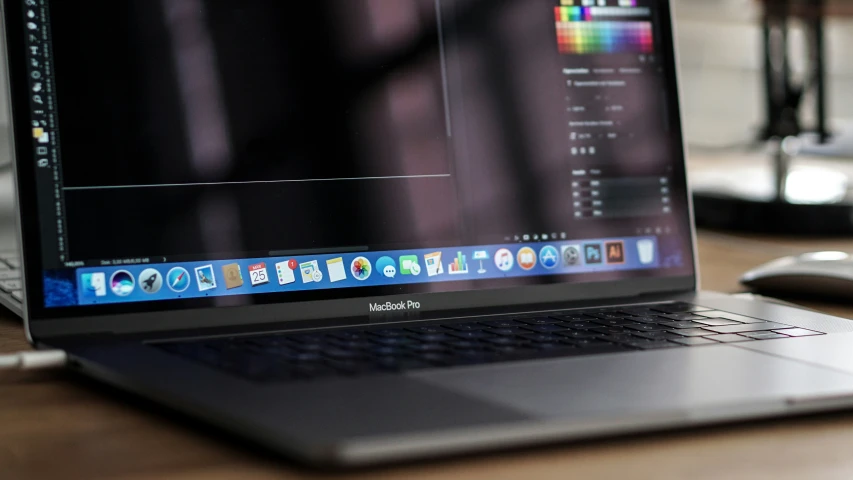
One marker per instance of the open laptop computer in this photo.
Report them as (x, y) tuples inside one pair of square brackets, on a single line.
[(357, 231)]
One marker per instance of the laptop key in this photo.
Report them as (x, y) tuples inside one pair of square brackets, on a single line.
[(638, 343), (693, 341), (471, 352), (426, 347), (10, 286), (679, 307), (308, 347), (349, 335), (13, 262), (476, 334), (644, 319), (765, 335), (393, 341), (618, 338), (691, 332), (464, 344), (465, 327), (434, 337), (660, 335), (678, 317), (505, 341), (541, 337), (552, 346), (656, 345), (718, 322), (352, 345), (302, 357), (576, 334), (730, 316), (647, 327), (582, 325), (339, 353), (10, 275), (797, 332), (507, 331), (382, 351), (729, 338), (639, 311), (588, 342), (608, 315), (546, 328), (611, 330), (615, 322), (682, 324), (751, 327)]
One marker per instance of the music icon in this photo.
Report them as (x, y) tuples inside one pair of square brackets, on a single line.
[(504, 260)]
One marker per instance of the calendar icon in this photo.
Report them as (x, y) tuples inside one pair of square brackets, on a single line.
[(258, 274)]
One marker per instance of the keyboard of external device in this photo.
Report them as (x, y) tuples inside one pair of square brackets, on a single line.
[(305, 356), (11, 286)]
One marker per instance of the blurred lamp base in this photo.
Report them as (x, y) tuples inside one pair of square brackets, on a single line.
[(779, 199)]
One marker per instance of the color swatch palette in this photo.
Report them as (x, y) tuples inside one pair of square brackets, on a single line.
[(572, 14), (584, 37), (600, 3)]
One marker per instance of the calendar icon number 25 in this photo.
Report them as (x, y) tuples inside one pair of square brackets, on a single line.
[(258, 274)]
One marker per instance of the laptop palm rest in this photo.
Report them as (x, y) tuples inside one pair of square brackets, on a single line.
[(830, 351), (686, 382)]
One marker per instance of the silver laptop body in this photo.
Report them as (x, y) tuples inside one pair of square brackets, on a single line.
[(195, 330)]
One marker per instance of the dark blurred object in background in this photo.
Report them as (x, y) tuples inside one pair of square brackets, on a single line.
[(786, 195)]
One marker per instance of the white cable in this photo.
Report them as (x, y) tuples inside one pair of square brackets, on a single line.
[(34, 360)]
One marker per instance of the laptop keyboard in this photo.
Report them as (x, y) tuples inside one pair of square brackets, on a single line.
[(11, 286), (284, 357)]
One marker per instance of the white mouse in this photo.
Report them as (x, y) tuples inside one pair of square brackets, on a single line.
[(819, 274)]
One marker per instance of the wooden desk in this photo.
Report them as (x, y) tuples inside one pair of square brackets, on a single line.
[(52, 427)]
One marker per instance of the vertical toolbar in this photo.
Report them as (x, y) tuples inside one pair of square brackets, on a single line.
[(41, 91)]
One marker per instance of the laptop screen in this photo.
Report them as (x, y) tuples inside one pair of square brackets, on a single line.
[(191, 153)]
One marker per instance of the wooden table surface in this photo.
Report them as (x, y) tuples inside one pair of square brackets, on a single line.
[(54, 427)]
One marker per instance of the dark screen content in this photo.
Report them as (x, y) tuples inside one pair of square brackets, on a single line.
[(252, 126), (212, 128)]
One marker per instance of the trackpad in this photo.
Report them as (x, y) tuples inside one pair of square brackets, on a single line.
[(684, 380)]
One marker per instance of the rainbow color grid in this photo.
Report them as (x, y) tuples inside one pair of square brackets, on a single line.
[(620, 3), (580, 37), (572, 14)]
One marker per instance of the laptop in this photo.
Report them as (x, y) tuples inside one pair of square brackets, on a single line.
[(357, 232)]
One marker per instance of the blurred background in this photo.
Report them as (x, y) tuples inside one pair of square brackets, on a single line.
[(768, 113), (721, 47)]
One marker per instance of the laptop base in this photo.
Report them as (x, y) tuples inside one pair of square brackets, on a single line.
[(374, 419)]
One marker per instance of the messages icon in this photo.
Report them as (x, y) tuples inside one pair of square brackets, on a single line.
[(387, 267)]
